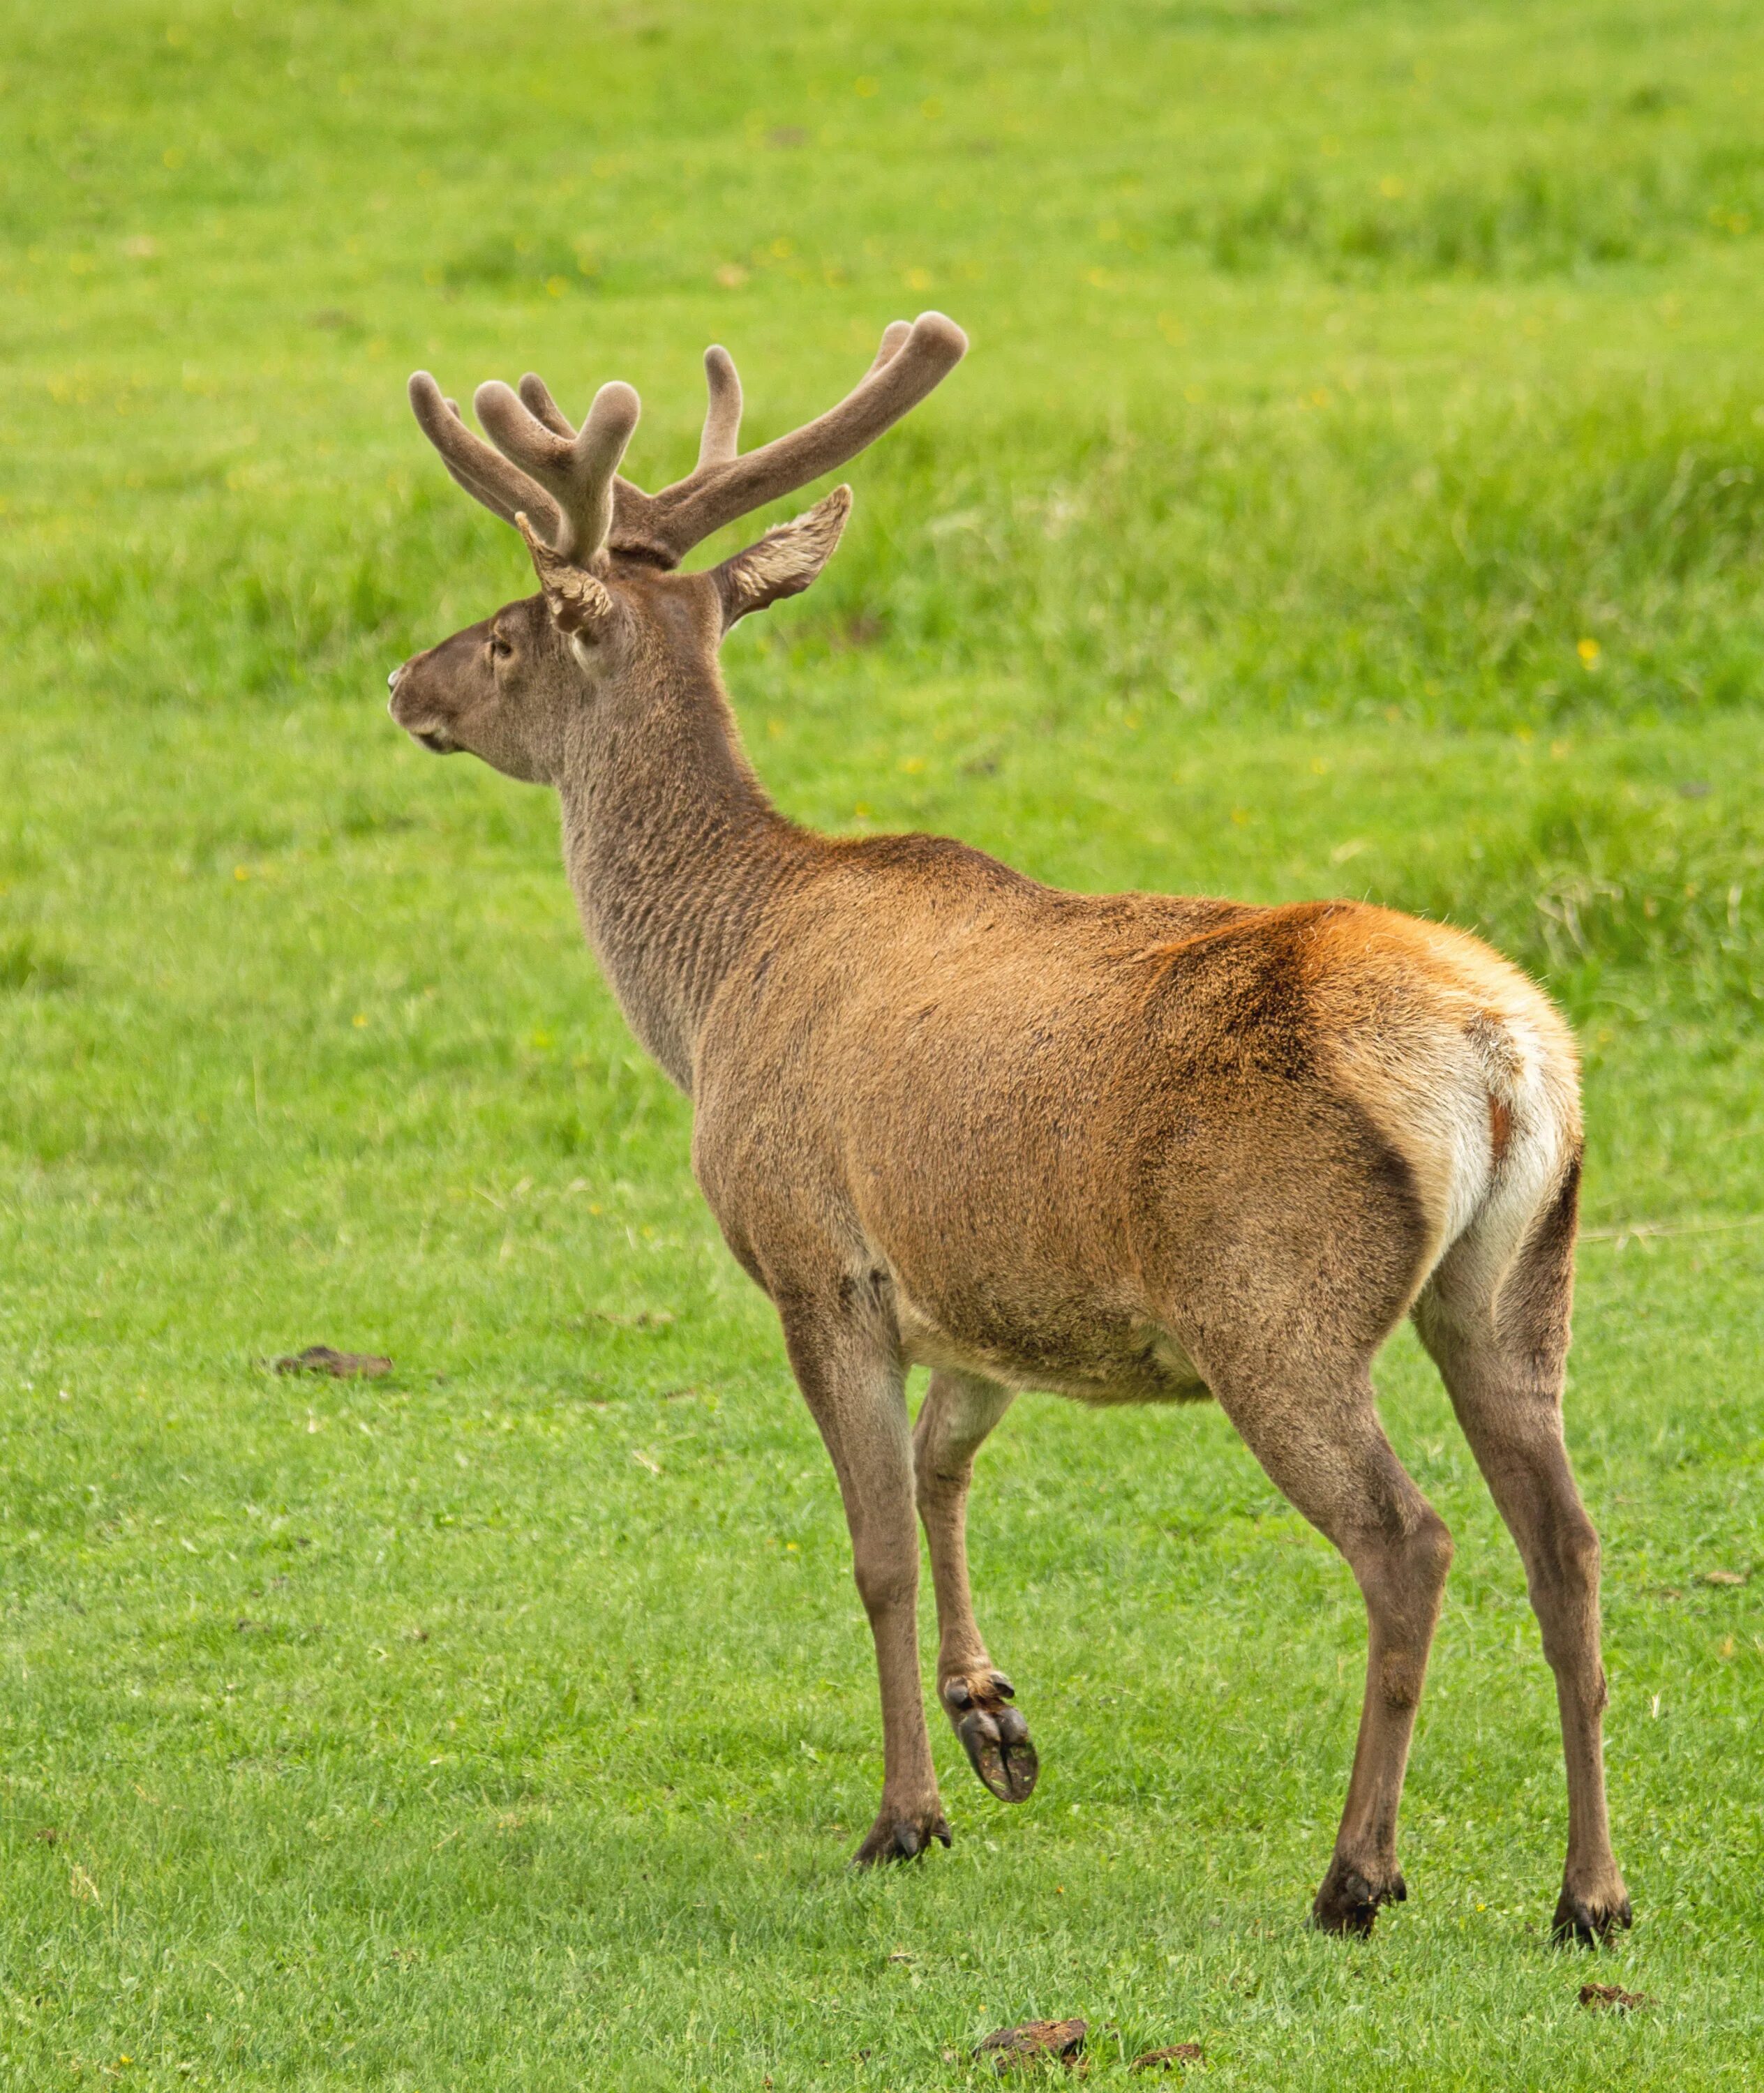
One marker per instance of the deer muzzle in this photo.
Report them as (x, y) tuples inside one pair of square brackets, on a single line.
[(407, 708)]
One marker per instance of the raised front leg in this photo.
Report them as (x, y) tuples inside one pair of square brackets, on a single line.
[(843, 1349), (958, 1412)]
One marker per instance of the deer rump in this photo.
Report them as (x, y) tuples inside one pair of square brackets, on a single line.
[(1085, 1144)]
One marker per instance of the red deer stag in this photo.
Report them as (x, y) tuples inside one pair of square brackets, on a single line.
[(1125, 1148)]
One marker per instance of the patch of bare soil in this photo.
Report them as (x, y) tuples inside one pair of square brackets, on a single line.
[(340, 1365)]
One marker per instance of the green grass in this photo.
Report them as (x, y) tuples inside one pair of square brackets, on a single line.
[(1357, 485)]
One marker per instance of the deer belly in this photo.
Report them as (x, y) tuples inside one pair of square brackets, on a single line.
[(1087, 1351)]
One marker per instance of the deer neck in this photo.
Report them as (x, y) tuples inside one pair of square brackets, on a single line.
[(673, 850)]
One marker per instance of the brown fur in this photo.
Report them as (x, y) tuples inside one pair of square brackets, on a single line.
[(1128, 1148)]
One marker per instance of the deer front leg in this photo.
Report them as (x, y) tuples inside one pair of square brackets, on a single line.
[(958, 1412), (847, 1362)]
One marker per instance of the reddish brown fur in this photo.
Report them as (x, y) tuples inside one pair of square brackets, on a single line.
[(1128, 1148)]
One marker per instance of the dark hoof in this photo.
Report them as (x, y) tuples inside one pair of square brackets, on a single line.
[(1348, 1903), (1587, 1922), (995, 1736), (893, 1838)]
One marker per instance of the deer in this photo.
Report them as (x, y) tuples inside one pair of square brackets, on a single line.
[(1121, 1148)]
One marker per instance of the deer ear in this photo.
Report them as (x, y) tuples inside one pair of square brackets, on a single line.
[(785, 561), (581, 606)]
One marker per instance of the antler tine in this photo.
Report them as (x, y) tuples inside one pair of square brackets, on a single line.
[(536, 395), (722, 417), (893, 336), (470, 470), (578, 472), (909, 364), (485, 473)]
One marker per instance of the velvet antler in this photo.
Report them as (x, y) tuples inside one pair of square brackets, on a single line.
[(910, 362), (561, 480), (566, 483)]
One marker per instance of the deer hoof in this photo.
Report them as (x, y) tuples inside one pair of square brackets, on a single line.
[(1587, 1922), (893, 1837), (1348, 1901), (995, 1736)]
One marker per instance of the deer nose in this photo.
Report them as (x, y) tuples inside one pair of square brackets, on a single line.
[(392, 681)]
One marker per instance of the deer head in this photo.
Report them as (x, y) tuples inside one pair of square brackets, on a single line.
[(613, 618)]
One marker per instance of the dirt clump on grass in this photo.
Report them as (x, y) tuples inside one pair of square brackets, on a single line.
[(1032, 2042), (1613, 1998)]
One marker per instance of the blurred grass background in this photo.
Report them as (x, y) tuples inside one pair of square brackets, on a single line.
[(1354, 487)]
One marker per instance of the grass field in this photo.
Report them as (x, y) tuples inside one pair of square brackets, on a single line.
[(1356, 485)]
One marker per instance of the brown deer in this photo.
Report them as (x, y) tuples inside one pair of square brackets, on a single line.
[(1125, 1148)]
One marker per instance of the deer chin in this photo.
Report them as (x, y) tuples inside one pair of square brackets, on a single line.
[(436, 740)]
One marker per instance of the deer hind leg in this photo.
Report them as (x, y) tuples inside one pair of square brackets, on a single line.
[(1320, 1440), (1500, 1338), (958, 1412), (845, 1355)]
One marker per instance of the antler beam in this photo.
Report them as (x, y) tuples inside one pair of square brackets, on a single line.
[(910, 362)]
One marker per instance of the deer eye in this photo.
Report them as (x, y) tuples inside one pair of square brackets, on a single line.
[(500, 649)]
